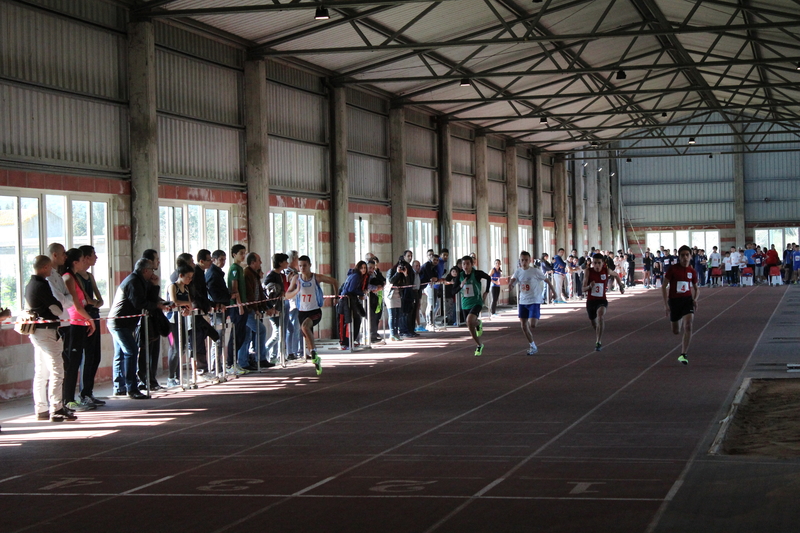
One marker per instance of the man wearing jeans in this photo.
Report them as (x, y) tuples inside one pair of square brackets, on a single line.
[(130, 300)]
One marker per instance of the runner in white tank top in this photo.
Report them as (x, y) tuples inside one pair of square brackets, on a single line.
[(305, 288)]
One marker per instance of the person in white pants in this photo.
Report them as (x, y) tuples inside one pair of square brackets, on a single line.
[(48, 370)]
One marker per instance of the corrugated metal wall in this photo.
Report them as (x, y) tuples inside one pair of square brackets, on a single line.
[(524, 203), (463, 192), (547, 205), (45, 127), (63, 87), (200, 106), (524, 172), (203, 47), (96, 11), (422, 185), (197, 89), (368, 177), (368, 150), (193, 150), (299, 156), (547, 178), (773, 200), (679, 193), (497, 197), (676, 169), (296, 114), (56, 52), (296, 166), (462, 156), (495, 164), (420, 146), (680, 214)]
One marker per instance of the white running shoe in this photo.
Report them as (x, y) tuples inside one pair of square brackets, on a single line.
[(533, 349)]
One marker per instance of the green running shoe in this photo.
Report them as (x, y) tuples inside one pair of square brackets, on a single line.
[(317, 362), (479, 329), (598, 347), (479, 350), (682, 359)]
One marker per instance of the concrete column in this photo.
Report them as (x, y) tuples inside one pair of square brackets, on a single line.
[(482, 204), (604, 188), (617, 224), (560, 209), (340, 216), (578, 207), (445, 190), (512, 205), (398, 193), (738, 197), (257, 158), (143, 137), (592, 214), (538, 212)]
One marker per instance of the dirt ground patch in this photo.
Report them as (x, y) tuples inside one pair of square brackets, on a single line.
[(767, 423)]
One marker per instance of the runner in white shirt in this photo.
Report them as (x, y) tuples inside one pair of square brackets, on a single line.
[(531, 291), (305, 287)]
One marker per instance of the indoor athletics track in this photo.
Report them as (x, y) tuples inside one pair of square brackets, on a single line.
[(421, 436)]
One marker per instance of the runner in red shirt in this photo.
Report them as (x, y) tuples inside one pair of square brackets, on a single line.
[(680, 301), (595, 287)]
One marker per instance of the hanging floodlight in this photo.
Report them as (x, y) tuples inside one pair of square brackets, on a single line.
[(543, 121), (628, 160), (465, 82), (621, 75), (600, 169), (691, 140), (322, 13)]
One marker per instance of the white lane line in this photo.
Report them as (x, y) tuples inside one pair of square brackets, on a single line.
[(156, 482), (10, 478), (569, 428)]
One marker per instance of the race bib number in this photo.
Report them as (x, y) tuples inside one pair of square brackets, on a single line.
[(524, 287), (468, 291), (598, 290), (682, 287)]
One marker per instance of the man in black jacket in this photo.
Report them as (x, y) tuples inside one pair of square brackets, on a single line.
[(47, 345), (129, 302), (219, 296), (374, 286), (199, 292)]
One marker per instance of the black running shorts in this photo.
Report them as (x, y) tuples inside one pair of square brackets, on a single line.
[(593, 305), (679, 308), (315, 316), (476, 310)]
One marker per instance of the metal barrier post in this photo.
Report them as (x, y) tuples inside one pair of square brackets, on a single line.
[(443, 308), (146, 351), (457, 301), (179, 345), (352, 323), (193, 323), (282, 347), (366, 329), (220, 353), (259, 321)]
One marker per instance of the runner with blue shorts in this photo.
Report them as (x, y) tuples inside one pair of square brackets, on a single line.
[(531, 292)]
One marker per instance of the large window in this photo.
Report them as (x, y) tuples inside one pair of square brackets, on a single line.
[(495, 247), (671, 240), (462, 241), (361, 237), (524, 233), (188, 228), (420, 238), (31, 221), (780, 237), (294, 230), (547, 242)]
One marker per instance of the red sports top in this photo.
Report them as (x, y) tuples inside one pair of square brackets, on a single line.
[(680, 281), (600, 280)]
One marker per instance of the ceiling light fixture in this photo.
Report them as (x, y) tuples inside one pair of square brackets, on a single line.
[(600, 169), (628, 160), (691, 140), (613, 174), (798, 66), (465, 82), (594, 143), (322, 13), (711, 156), (543, 121), (664, 114), (585, 164), (621, 75)]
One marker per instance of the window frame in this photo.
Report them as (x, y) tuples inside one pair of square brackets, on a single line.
[(314, 234), (418, 245), (674, 235), (39, 195), (361, 246)]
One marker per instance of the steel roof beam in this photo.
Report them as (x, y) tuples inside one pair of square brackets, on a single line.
[(457, 43), (153, 11)]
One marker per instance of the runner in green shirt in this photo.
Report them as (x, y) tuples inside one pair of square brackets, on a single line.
[(469, 285)]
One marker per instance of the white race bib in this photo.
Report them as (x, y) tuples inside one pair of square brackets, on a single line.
[(598, 290), (467, 291), (682, 287), (524, 287)]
